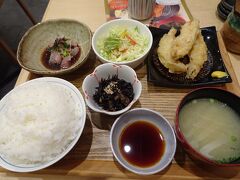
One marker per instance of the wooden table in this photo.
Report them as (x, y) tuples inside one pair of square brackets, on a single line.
[(92, 158)]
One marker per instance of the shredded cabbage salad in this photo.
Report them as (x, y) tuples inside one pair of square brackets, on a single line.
[(122, 44)]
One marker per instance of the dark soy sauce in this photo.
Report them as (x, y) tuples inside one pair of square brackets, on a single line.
[(142, 144)]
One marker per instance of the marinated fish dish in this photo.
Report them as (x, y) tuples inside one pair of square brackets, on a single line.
[(62, 54)]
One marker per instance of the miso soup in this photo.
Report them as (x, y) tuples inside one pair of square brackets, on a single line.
[(212, 128)]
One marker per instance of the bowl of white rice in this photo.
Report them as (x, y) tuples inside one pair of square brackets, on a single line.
[(40, 121)]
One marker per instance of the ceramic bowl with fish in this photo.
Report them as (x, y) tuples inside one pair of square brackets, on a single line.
[(55, 47)]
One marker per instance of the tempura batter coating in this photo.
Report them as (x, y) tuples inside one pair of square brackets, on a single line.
[(164, 53), (189, 43), (197, 56), (184, 42)]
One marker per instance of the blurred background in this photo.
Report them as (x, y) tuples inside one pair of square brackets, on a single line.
[(13, 24)]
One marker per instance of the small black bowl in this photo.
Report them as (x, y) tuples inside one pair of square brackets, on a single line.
[(228, 4), (221, 14)]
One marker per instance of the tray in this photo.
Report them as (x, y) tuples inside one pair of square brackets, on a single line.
[(92, 156)]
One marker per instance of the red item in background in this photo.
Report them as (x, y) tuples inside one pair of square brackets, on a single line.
[(118, 4)]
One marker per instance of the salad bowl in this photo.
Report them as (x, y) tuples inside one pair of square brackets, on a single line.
[(122, 41)]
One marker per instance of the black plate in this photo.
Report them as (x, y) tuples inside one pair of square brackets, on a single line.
[(210, 38)]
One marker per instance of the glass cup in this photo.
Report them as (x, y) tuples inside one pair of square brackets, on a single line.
[(231, 32), (140, 9)]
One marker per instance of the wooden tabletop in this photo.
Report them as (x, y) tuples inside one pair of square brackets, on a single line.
[(92, 158)]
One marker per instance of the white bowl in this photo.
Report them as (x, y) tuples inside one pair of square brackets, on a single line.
[(156, 119), (78, 100), (103, 71), (103, 30)]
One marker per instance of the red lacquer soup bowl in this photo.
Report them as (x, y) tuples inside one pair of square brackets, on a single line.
[(192, 145)]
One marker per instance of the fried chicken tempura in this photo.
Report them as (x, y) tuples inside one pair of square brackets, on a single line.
[(197, 56), (184, 42), (164, 53)]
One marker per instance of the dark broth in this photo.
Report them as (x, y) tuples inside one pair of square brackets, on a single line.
[(142, 144), (46, 55)]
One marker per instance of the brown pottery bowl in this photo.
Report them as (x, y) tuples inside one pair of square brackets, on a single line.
[(39, 37)]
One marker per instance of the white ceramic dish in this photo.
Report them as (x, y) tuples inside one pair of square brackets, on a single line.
[(154, 118), (76, 97), (103, 71), (129, 23)]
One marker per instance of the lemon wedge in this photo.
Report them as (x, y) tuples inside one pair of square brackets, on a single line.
[(219, 74)]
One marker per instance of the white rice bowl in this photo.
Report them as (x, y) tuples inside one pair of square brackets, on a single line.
[(40, 122)]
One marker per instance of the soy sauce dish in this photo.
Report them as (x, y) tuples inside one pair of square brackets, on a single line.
[(208, 126), (143, 141)]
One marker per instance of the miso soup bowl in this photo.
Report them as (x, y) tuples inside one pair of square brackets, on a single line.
[(224, 96)]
